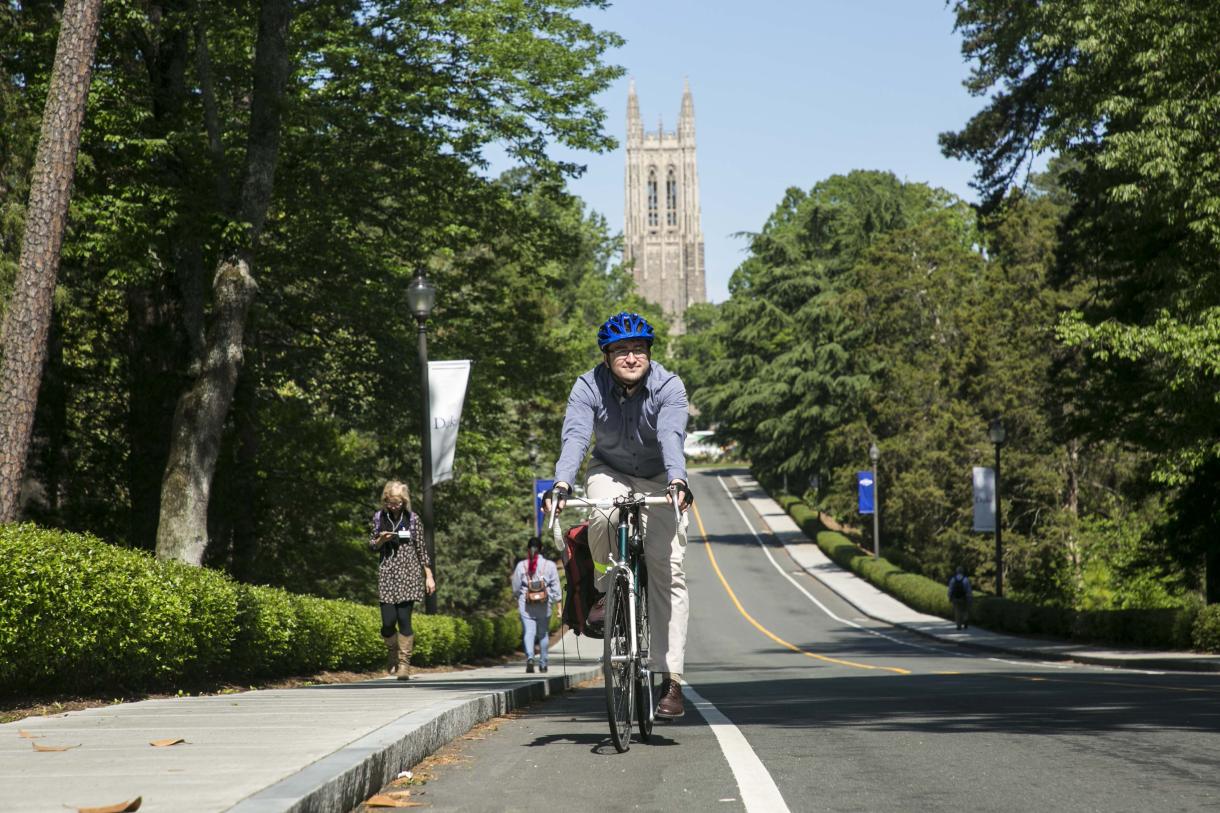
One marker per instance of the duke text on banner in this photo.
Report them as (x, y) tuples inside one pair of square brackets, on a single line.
[(446, 395)]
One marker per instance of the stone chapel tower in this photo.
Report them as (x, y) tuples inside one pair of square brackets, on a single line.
[(662, 233)]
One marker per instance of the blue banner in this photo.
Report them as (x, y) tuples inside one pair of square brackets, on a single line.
[(866, 488), (540, 487)]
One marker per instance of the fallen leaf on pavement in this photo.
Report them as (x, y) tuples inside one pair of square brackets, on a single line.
[(21, 732), (166, 742), (386, 800), (38, 747), (121, 807)]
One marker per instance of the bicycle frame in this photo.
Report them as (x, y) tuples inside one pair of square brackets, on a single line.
[(625, 564), (628, 566)]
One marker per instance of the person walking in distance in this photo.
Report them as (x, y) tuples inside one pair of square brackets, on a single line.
[(636, 412), (536, 588), (961, 595), (403, 575)]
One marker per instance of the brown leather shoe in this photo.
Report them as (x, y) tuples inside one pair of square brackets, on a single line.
[(671, 705)]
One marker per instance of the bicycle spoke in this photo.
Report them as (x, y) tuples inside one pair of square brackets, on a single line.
[(617, 668), (644, 697)]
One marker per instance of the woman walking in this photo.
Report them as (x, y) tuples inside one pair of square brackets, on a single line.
[(403, 575), (536, 588)]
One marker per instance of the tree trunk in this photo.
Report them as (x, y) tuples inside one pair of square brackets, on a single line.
[(199, 420), (1072, 507), (23, 338)]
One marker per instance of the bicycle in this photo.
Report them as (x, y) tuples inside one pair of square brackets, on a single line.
[(626, 635)]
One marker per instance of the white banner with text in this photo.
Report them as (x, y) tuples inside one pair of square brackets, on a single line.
[(446, 395), (984, 499)]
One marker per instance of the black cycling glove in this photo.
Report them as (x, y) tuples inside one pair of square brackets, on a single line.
[(685, 496), (556, 493)]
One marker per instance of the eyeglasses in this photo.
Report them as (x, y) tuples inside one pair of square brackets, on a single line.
[(393, 504), (624, 352)]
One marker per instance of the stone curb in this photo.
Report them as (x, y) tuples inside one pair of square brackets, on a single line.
[(344, 779)]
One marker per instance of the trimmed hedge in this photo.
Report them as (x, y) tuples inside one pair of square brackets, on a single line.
[(1175, 628), (79, 614)]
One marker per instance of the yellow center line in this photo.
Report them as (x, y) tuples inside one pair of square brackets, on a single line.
[(733, 596)]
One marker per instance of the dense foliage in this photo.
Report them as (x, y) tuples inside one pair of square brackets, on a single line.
[(388, 112), (876, 311), (1080, 306), (1129, 95), (1182, 627)]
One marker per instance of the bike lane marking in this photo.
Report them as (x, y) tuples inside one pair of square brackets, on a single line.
[(707, 545), (829, 612), (809, 595), (758, 790)]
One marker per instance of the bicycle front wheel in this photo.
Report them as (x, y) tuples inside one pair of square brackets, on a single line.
[(617, 665)]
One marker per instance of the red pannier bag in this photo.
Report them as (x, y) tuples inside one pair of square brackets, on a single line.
[(578, 567)]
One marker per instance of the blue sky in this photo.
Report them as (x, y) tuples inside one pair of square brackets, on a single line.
[(786, 92)]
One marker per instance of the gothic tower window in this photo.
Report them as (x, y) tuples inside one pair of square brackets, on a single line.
[(652, 197), (671, 199)]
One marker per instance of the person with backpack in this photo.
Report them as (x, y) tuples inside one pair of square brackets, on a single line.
[(960, 596), (635, 413), (536, 588)]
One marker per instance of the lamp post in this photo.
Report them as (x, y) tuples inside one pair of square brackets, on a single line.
[(874, 454), (997, 434), (421, 296)]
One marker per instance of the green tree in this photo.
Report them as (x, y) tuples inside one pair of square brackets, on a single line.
[(1130, 93), (368, 186)]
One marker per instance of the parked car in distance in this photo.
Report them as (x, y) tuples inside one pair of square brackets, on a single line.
[(699, 445)]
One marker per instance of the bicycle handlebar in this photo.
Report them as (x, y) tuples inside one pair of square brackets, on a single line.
[(606, 504)]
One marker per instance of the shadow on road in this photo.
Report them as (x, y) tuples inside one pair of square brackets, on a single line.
[(1000, 701)]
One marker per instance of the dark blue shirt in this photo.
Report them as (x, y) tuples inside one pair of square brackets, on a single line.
[(640, 435)]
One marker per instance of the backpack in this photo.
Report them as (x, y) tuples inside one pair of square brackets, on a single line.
[(957, 587), (580, 595), (535, 589)]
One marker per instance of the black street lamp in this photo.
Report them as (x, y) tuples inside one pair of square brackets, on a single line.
[(997, 434), (874, 454), (421, 296)]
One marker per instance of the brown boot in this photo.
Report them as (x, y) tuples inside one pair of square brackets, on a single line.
[(405, 644), (391, 648)]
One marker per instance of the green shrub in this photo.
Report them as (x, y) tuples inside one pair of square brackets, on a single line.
[(1177, 627), (482, 636), (509, 632), (266, 632), (78, 614), (1205, 633)]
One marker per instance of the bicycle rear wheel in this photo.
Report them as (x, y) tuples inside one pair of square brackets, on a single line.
[(617, 666), (645, 694)]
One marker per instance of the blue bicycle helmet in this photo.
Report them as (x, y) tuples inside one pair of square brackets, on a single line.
[(624, 326)]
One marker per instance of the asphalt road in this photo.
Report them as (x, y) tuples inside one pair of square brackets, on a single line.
[(850, 715)]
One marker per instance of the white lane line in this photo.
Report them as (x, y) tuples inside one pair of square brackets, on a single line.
[(809, 595), (758, 790)]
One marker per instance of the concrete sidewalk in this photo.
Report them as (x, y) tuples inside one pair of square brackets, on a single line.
[(883, 607), (318, 748)]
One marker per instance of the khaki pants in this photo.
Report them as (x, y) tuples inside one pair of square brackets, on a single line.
[(668, 608)]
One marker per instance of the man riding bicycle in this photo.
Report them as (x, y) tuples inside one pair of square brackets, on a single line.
[(636, 411)]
